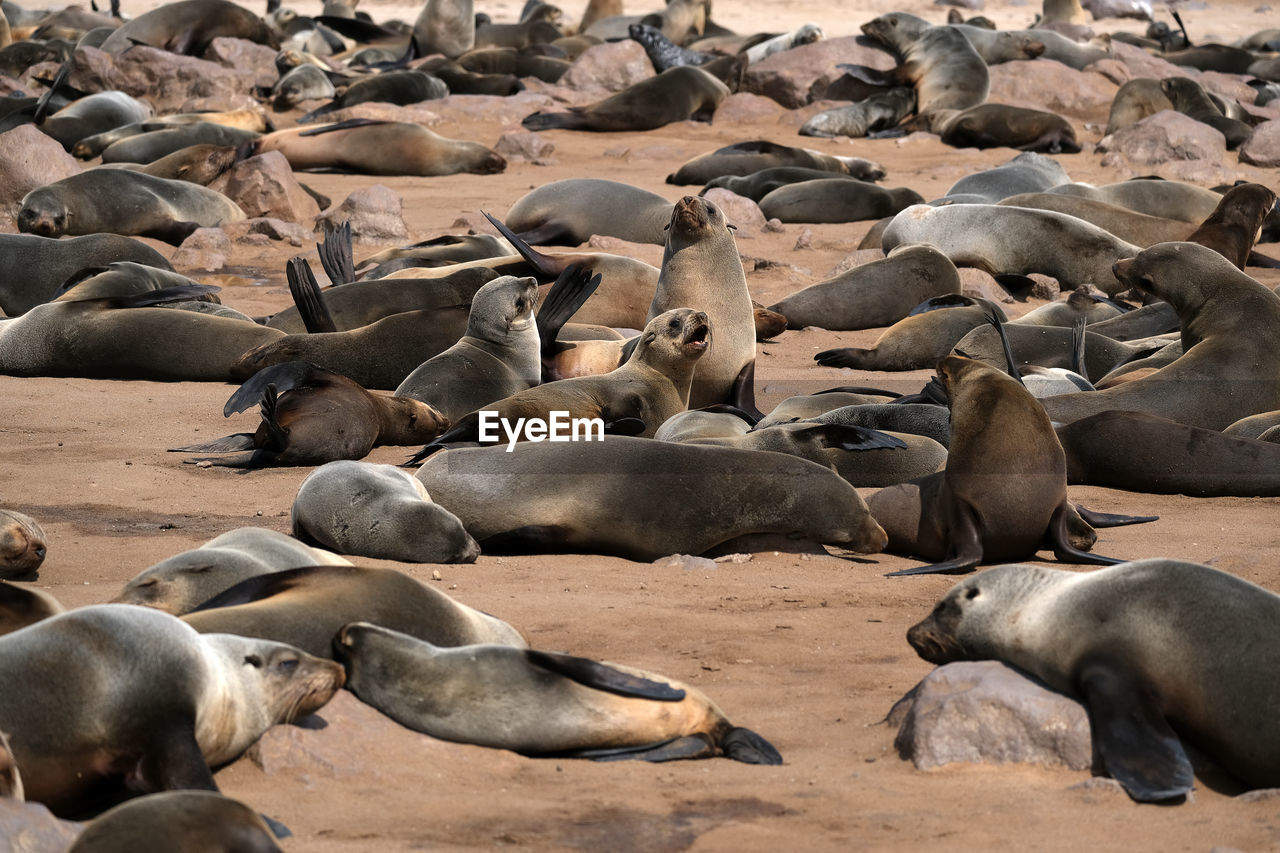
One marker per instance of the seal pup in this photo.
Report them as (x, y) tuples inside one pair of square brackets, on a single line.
[(944, 68), (311, 416), (1144, 647), (880, 111), (119, 201), (570, 211), (977, 509), (496, 358), (1230, 367), (377, 511), (94, 114), (744, 158), (918, 340), (805, 34), (538, 703), (182, 582), (701, 270), (677, 94), (21, 606), (189, 26), (306, 607), (621, 497), (142, 703), (1233, 227), (370, 147), (178, 822), (444, 26), (23, 544), (33, 268)]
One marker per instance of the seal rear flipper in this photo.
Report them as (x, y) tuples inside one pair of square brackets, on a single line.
[(42, 105), (466, 429), (277, 434), (307, 296), (173, 233), (748, 747), (1059, 539), (574, 286), (555, 121), (743, 392), (285, 376), (1078, 347), (336, 255), (1107, 519), (278, 829), (342, 125), (226, 444), (676, 749), (542, 264), (1131, 735), (1017, 286), (1011, 364), (599, 676), (851, 438), (1257, 260)]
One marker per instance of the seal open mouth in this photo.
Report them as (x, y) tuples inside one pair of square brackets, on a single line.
[(698, 337)]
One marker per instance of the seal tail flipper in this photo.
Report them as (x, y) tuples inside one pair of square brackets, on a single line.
[(1011, 364), (1078, 342), (750, 748), (1131, 735), (743, 392), (599, 676), (851, 438), (542, 264), (277, 435), (248, 459), (686, 747), (285, 376), (336, 255), (1106, 519), (307, 296), (226, 444)]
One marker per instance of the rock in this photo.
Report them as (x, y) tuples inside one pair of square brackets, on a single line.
[(206, 249), (1261, 795), (988, 712), (1230, 86), (273, 229), (30, 159), (244, 55), (805, 240), (168, 81), (738, 558), (1045, 84), (265, 185), (1261, 149), (609, 67), (1045, 287), (747, 108), (1135, 62), (738, 211), (32, 828), (789, 76), (1164, 137), (524, 145), (982, 285), (492, 108), (685, 561), (376, 214), (775, 226)]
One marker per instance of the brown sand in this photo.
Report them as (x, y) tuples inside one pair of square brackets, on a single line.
[(809, 651)]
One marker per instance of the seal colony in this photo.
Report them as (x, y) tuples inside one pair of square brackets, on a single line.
[(1178, 396)]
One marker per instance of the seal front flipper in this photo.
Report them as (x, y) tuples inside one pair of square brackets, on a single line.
[(844, 357), (152, 298), (750, 748), (1011, 364), (574, 286), (965, 544), (307, 296), (601, 676), (571, 120), (850, 437), (1131, 735), (172, 760), (285, 376), (336, 255), (226, 444), (743, 392)]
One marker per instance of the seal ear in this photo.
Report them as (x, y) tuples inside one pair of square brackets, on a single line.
[(1131, 735)]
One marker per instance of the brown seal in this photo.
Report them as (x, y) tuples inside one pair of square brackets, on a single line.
[(32, 268), (21, 606), (745, 158), (1135, 100), (369, 147), (23, 544), (677, 94), (1144, 647), (142, 703), (311, 416), (835, 200), (189, 26), (445, 26), (947, 72), (1003, 493), (1190, 98), (178, 822), (539, 703), (572, 210), (1152, 196), (306, 607), (1233, 226), (1129, 225), (196, 164), (918, 340), (1003, 126)]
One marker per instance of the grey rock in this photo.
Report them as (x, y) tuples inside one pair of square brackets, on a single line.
[(244, 55), (30, 159), (739, 211), (265, 185), (32, 828), (789, 77), (686, 562), (1048, 85), (1164, 137), (609, 67), (206, 249), (272, 229), (376, 214), (1261, 149), (524, 145)]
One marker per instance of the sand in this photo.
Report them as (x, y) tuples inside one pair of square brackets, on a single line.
[(807, 650)]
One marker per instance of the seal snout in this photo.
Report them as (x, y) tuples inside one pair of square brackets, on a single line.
[(698, 331), (691, 213), (932, 644)]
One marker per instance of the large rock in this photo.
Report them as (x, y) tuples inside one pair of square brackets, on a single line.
[(376, 214), (1165, 137), (1261, 149), (746, 108), (168, 81), (609, 67), (206, 249), (987, 712), (265, 186), (524, 145), (30, 159), (245, 56), (740, 212), (1045, 84), (788, 76), (32, 828), (1130, 61)]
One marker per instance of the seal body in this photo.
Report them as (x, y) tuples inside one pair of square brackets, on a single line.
[(33, 268), (572, 210), (368, 147), (744, 158), (178, 822), (21, 606), (835, 200), (677, 94)]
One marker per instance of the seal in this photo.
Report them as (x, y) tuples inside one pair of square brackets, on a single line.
[(745, 158), (302, 83), (1234, 224), (163, 140), (944, 68), (663, 52), (311, 416), (369, 147), (1228, 321), (196, 164), (757, 185), (250, 120), (10, 778), (142, 703), (1003, 126), (1003, 240), (182, 582), (1190, 98), (307, 606), (444, 26), (120, 201), (496, 358), (1254, 426), (918, 340), (1129, 225), (570, 211), (880, 111), (701, 270), (979, 509), (677, 94), (177, 821), (621, 500), (563, 705), (23, 544), (1029, 172), (805, 34), (873, 295), (93, 114), (1135, 100), (410, 86), (997, 48), (1140, 645), (377, 511), (1152, 196), (835, 200), (21, 606), (189, 26)]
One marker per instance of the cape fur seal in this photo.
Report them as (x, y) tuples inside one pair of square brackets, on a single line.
[(1234, 224), (918, 340), (572, 210), (1002, 126), (33, 268), (744, 158), (835, 200), (94, 114), (142, 703), (677, 94), (377, 511), (21, 606), (305, 607), (189, 26), (445, 26), (182, 582), (621, 500), (757, 185), (370, 147), (23, 544), (538, 703), (1152, 196), (948, 74), (1144, 646), (178, 822), (880, 111)]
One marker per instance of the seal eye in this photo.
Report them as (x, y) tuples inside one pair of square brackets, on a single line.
[(253, 661), (972, 593), (288, 665)]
